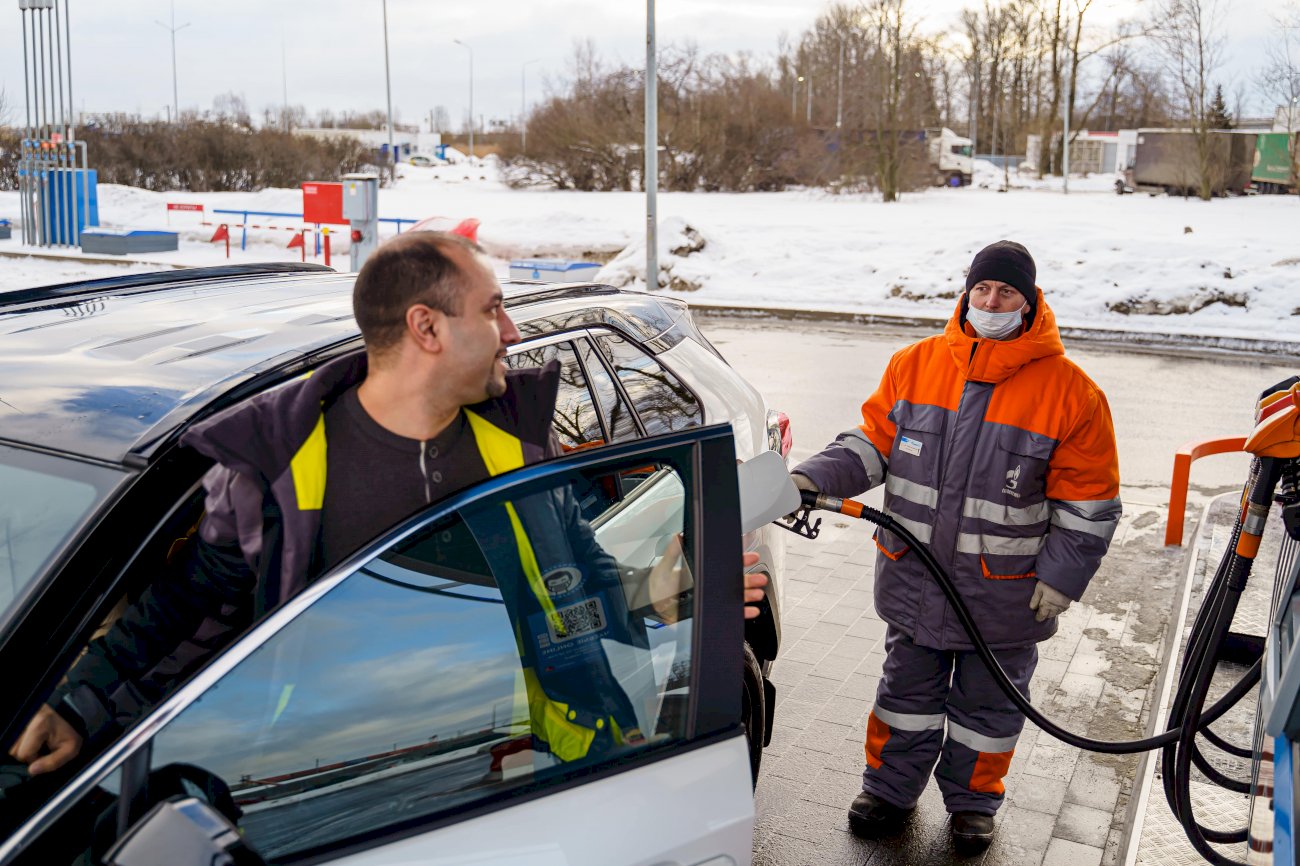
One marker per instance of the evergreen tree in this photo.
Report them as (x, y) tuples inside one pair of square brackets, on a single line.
[(1218, 116)]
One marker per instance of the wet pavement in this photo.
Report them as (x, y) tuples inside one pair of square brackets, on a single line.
[(1095, 677)]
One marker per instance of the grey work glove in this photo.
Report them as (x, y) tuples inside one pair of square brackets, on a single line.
[(803, 482), (1048, 602)]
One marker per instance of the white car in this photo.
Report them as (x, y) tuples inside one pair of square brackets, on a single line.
[(391, 712)]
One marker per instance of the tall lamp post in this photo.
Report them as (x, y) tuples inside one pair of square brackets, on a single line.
[(471, 95), (651, 172), (176, 107), (523, 103), (388, 89)]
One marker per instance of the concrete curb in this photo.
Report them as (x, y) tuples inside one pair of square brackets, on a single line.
[(1146, 768), (1182, 345), (94, 260)]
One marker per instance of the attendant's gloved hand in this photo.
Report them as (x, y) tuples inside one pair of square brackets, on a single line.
[(1048, 602), (803, 482)]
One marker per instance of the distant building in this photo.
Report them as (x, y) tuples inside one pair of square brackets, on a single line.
[(406, 143), (1091, 152)]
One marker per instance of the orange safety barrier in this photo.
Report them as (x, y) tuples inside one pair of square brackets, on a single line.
[(1182, 468)]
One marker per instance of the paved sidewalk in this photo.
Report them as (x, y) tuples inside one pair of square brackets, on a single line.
[(1094, 677)]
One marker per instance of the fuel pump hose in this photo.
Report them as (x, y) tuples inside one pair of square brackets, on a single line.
[(1248, 681)]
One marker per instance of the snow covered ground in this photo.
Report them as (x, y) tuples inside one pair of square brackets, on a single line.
[(1150, 264)]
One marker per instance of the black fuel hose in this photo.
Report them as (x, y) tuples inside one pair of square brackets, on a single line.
[(813, 500)]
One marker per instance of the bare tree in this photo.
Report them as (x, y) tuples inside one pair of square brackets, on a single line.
[(895, 41), (1190, 40)]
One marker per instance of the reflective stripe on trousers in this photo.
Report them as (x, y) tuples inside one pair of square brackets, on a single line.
[(925, 693)]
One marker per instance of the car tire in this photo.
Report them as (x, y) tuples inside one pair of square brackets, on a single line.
[(754, 710)]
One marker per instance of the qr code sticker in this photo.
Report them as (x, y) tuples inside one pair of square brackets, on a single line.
[(576, 620)]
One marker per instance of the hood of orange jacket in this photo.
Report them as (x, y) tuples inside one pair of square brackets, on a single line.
[(984, 360)]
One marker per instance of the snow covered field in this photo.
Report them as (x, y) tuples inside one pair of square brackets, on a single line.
[(1149, 264)]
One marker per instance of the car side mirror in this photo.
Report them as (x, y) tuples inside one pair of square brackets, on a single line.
[(183, 832), (766, 491)]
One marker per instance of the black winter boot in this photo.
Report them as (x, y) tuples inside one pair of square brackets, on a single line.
[(972, 831), (870, 816)]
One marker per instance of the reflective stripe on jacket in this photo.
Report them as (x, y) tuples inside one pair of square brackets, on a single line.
[(510, 431), (571, 692), (1000, 456)]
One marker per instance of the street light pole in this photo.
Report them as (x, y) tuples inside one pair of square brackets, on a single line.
[(388, 87), (176, 104), (1065, 137), (471, 95), (794, 95), (523, 104), (651, 183), (839, 90)]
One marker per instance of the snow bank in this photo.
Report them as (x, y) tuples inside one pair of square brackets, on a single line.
[(1228, 267)]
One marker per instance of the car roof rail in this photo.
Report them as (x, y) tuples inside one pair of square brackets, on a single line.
[(64, 291)]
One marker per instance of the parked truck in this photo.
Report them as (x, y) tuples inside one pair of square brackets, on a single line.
[(1166, 160), (1274, 170), (951, 156)]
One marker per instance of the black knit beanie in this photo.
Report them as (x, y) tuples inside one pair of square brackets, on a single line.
[(1010, 263)]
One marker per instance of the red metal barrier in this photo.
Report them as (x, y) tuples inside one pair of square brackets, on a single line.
[(1182, 468)]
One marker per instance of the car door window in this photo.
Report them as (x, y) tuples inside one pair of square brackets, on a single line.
[(577, 423), (505, 645), (619, 417), (662, 401)]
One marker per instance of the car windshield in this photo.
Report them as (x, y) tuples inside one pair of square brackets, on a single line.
[(43, 500)]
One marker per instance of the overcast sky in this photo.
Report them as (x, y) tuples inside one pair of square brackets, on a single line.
[(334, 51)]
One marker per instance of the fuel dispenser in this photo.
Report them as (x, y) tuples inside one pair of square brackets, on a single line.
[(361, 210)]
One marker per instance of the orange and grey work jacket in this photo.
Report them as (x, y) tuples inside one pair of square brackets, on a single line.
[(1000, 456)]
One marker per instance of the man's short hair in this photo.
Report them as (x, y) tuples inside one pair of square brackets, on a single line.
[(414, 268)]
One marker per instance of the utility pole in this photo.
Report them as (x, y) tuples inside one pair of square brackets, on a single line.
[(1065, 137), (176, 104), (839, 90), (388, 89), (471, 95), (809, 100), (523, 104), (651, 183), (284, 84)]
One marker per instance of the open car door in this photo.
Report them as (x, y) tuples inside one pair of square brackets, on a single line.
[(513, 675)]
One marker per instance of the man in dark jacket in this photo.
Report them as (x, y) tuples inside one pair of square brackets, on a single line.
[(429, 409)]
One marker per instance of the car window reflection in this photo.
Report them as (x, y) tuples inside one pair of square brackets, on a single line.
[(662, 401), (512, 642), (576, 423)]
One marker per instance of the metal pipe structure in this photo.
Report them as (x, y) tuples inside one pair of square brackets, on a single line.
[(52, 164)]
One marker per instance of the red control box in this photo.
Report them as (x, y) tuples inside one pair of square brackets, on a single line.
[(322, 202)]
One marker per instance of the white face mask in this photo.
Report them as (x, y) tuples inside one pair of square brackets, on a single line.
[(994, 326)]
